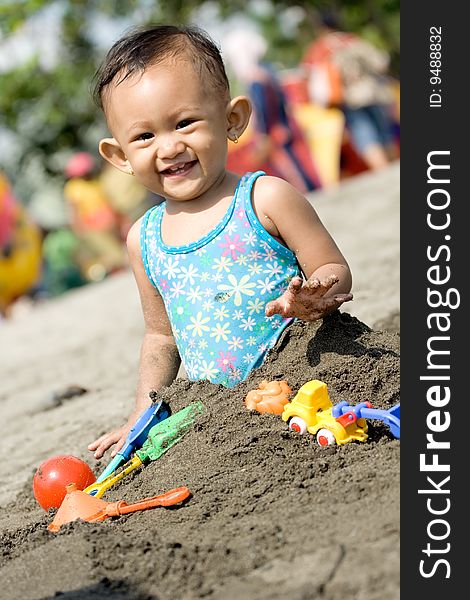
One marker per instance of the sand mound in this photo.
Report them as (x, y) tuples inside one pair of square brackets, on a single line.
[(272, 515)]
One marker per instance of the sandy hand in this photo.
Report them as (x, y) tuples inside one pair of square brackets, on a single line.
[(116, 437), (306, 300)]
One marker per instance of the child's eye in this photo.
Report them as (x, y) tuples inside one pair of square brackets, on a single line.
[(184, 123), (145, 136)]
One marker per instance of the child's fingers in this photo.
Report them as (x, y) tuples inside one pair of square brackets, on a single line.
[(330, 281), (343, 297), (94, 445), (103, 443), (325, 285), (119, 444), (295, 284), (271, 308)]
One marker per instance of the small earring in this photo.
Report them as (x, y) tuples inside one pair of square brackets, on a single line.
[(235, 138), (131, 170)]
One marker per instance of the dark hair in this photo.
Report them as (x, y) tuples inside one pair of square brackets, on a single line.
[(142, 47)]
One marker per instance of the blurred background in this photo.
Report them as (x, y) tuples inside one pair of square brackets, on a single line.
[(64, 215)]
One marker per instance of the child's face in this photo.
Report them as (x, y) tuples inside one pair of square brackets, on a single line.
[(171, 128)]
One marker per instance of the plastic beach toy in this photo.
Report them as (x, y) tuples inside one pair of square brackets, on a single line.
[(54, 474), (154, 414), (270, 397), (312, 410), (79, 505), (160, 439)]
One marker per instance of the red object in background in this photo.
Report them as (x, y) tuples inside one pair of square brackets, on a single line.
[(80, 164), (295, 87), (57, 472)]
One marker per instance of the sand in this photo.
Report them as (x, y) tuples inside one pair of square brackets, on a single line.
[(271, 515)]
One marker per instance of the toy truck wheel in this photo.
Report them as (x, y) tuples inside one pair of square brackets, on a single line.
[(297, 424), (325, 438)]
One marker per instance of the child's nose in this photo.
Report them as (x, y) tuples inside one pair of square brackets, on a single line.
[(169, 146)]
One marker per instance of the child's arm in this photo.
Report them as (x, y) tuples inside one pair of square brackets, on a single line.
[(289, 217), (159, 357)]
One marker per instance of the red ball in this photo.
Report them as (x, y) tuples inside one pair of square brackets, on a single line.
[(54, 474)]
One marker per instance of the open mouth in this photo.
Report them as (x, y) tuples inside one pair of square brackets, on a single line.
[(179, 169)]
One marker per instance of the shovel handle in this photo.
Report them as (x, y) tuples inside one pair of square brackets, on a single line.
[(97, 489), (168, 499)]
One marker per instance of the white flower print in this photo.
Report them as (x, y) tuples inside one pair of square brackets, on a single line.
[(235, 343), (273, 269), (194, 295), (153, 245), (208, 371), (221, 332), (217, 276), (265, 286), (235, 375), (197, 354), (198, 324), (231, 227), (269, 254), (237, 315), (254, 255), (202, 344), (205, 276), (189, 274), (255, 268), (251, 340), (223, 264), (248, 324), (242, 260), (171, 268), (248, 358), (255, 306), (160, 255), (249, 238), (208, 305), (238, 288), (191, 368), (221, 313), (177, 289), (208, 292)]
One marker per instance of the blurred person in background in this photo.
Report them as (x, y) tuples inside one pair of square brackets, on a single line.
[(278, 145), (347, 72), (92, 219), (20, 249)]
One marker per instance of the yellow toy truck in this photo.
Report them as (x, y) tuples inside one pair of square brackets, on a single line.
[(312, 410)]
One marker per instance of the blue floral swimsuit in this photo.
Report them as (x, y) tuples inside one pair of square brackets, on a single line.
[(215, 289)]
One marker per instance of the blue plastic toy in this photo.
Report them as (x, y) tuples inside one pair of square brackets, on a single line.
[(364, 410), (154, 414)]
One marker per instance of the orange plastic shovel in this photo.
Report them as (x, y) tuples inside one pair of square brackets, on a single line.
[(80, 505)]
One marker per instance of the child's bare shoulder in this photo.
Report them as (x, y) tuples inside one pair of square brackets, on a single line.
[(273, 194)]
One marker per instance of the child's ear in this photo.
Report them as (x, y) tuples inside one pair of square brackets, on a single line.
[(111, 150), (238, 116)]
